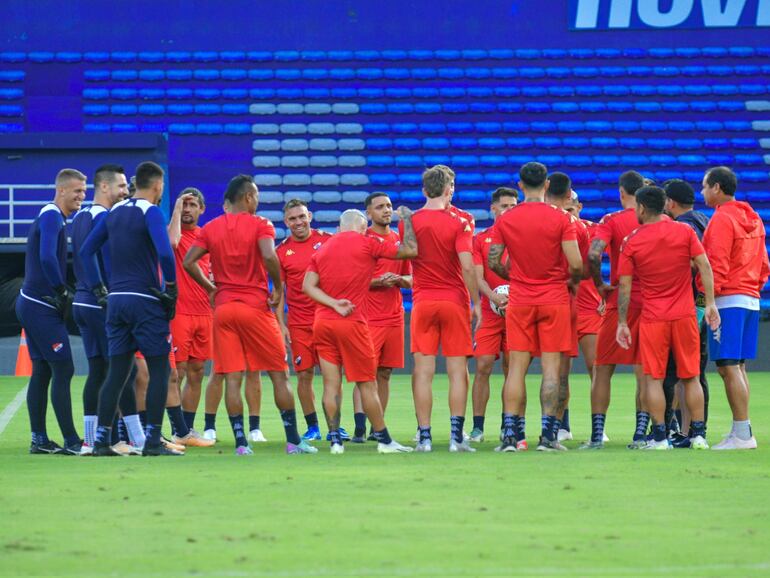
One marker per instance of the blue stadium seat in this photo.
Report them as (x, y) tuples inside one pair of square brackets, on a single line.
[(352, 161), (519, 160), (289, 93), (454, 107), (13, 57), (543, 126), (731, 105), (425, 92), (653, 126), (675, 107), (664, 160), (96, 109), (606, 160), (431, 160), (588, 90), (408, 161), (647, 106), (578, 160), (232, 55), (293, 128), (748, 70), (181, 128), (234, 109), (568, 107), (505, 73), (89, 75), (237, 128), (550, 161), (463, 143), (407, 144), (754, 177), (604, 126), (400, 108), (589, 195), (152, 109), (207, 109), (483, 107), (372, 108), (351, 144), (181, 75), (232, 74), (519, 143), (516, 126), (298, 145), (547, 142), (295, 180), (469, 178), (554, 53), (410, 179), (205, 56), (421, 54), (719, 159), (612, 71), (15, 93), (123, 56), (398, 93), (496, 179), (69, 57), (491, 143), (124, 75), (594, 107), (260, 74), (692, 160), (317, 108), (716, 143), (328, 197), (747, 160), (435, 143), (604, 142), (620, 106), (558, 72), (537, 107), (744, 143), (123, 109), (448, 54), (720, 70), (738, 125), (492, 160), (585, 71), (488, 127), (294, 161), (88, 93), (660, 143), (396, 73), (465, 161), (266, 161), (608, 177), (383, 179), (87, 127), (703, 106), (681, 126), (575, 142), (477, 73), (125, 127), (583, 177), (11, 110), (753, 89)]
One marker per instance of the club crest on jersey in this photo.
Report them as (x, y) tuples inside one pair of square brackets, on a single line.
[(57, 347), (316, 246), (488, 240), (298, 360)]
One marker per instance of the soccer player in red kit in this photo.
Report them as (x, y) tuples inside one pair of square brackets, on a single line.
[(538, 237), (660, 253), (191, 327), (559, 194), (443, 276), (246, 332), (384, 308), (612, 229), (489, 340), (340, 330), (294, 254)]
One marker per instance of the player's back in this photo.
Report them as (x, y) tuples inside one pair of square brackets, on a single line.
[(133, 258), (533, 233), (437, 272), (344, 266), (82, 224), (232, 240), (613, 229), (49, 223), (661, 254)]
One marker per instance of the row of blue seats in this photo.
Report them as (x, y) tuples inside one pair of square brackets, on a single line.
[(11, 93), (608, 197), (305, 180), (587, 90), (465, 143), (619, 107), (6, 127), (205, 128), (507, 107), (373, 55), (578, 177), (453, 73), (493, 127), (636, 161)]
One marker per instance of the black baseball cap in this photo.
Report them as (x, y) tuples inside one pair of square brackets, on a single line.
[(680, 191)]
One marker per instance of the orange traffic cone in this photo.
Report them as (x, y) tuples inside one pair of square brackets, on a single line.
[(23, 362)]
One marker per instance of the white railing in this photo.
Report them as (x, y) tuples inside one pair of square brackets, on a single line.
[(12, 196)]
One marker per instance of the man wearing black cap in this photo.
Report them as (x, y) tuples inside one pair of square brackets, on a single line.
[(679, 205)]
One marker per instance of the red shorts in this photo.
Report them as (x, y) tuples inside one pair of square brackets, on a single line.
[(588, 323), (443, 322), (347, 344), (490, 336), (247, 339), (388, 345), (608, 352), (538, 328), (192, 336), (303, 352), (171, 354), (657, 339)]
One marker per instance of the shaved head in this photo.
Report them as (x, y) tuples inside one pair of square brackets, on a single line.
[(353, 220)]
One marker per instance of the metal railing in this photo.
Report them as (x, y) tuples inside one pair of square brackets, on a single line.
[(12, 196)]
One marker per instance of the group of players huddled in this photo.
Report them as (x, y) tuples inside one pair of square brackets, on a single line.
[(154, 302)]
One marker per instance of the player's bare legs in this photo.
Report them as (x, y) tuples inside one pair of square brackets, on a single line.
[(383, 386), (553, 395), (480, 392), (588, 349), (422, 393), (737, 390), (192, 373), (332, 402), (305, 391), (253, 394), (140, 385), (213, 398)]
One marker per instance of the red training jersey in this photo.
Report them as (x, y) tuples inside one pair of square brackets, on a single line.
[(193, 299), (659, 254), (533, 234), (735, 244), (481, 244), (458, 212), (384, 305), (294, 256), (588, 299), (437, 273), (345, 265), (612, 229), (232, 240)]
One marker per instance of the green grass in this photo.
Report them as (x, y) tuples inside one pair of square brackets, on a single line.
[(609, 513)]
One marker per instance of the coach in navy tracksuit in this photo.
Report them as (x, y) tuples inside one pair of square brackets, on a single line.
[(42, 307), (141, 302)]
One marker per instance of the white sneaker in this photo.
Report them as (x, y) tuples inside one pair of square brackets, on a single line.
[(210, 434), (653, 445), (86, 450), (256, 435), (416, 438), (564, 435), (393, 448), (466, 436), (337, 449), (605, 439), (457, 447), (125, 449), (733, 442), (698, 443), (425, 446)]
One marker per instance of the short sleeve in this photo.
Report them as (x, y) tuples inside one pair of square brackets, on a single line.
[(478, 258), (201, 240), (569, 231), (603, 230), (696, 247), (379, 248), (266, 229), (626, 264), (313, 265), (464, 238)]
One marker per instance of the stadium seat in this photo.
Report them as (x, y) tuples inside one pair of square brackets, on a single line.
[(293, 128), (548, 142), (435, 143), (87, 127), (286, 55), (349, 161), (152, 109), (407, 161), (11, 110), (289, 108), (575, 142), (181, 128), (295, 161), (358, 197), (13, 57), (179, 75), (543, 126), (296, 180), (327, 197), (519, 142), (465, 161), (261, 74), (237, 128), (355, 179), (262, 161)]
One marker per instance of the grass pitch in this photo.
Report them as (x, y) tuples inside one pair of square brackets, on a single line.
[(610, 513)]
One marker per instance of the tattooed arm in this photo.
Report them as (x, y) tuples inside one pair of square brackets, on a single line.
[(623, 334), (595, 267), (495, 261), (408, 247)]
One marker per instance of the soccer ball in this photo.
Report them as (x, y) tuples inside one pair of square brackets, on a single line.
[(500, 290)]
